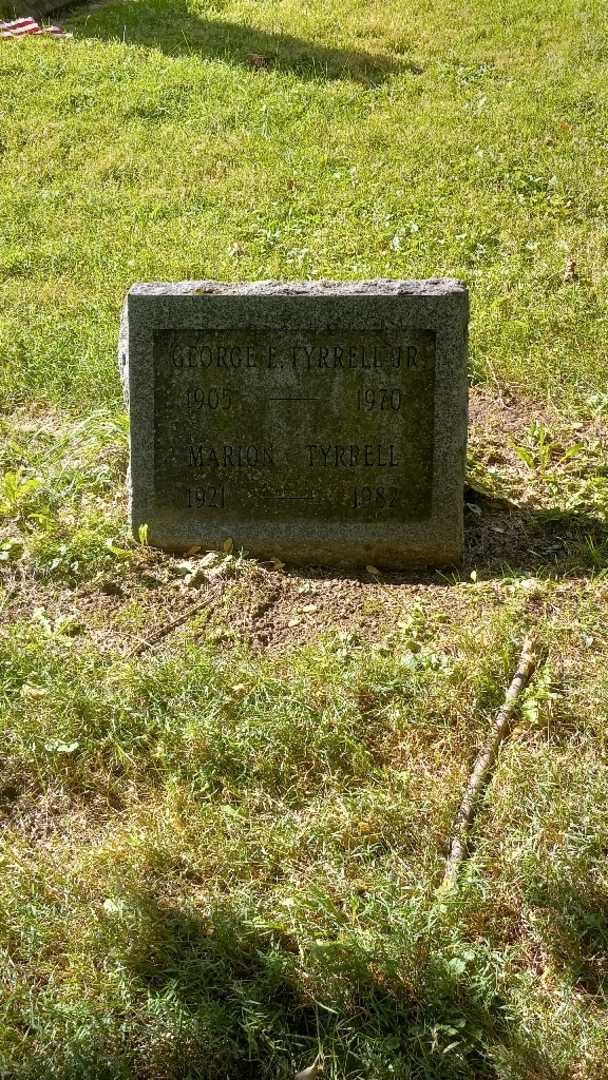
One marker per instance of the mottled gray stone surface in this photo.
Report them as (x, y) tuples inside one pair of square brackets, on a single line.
[(317, 422)]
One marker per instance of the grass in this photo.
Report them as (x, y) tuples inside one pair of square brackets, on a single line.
[(223, 854), (150, 149)]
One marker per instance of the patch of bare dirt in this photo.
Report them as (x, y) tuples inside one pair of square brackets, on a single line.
[(273, 608)]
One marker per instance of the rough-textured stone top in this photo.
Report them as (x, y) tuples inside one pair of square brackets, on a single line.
[(375, 287)]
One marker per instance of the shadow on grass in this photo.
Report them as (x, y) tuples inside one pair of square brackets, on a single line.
[(500, 535), (501, 539), (173, 28), (249, 1012)]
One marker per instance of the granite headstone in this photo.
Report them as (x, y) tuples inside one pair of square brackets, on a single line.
[(316, 422)]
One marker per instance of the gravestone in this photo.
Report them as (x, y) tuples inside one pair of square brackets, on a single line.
[(317, 423)]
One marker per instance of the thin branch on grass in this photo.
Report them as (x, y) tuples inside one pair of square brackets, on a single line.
[(502, 727), (211, 595)]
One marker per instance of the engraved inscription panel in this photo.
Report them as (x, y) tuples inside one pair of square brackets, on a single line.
[(265, 425)]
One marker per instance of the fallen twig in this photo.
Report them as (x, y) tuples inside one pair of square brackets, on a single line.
[(479, 777), (211, 594)]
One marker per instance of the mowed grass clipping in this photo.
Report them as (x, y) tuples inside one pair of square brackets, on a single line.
[(221, 857)]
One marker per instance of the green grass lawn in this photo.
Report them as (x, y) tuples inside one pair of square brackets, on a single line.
[(220, 853)]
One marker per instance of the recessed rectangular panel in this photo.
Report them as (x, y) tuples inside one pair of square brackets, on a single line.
[(268, 425)]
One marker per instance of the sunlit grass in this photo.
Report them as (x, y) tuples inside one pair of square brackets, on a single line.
[(401, 142)]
